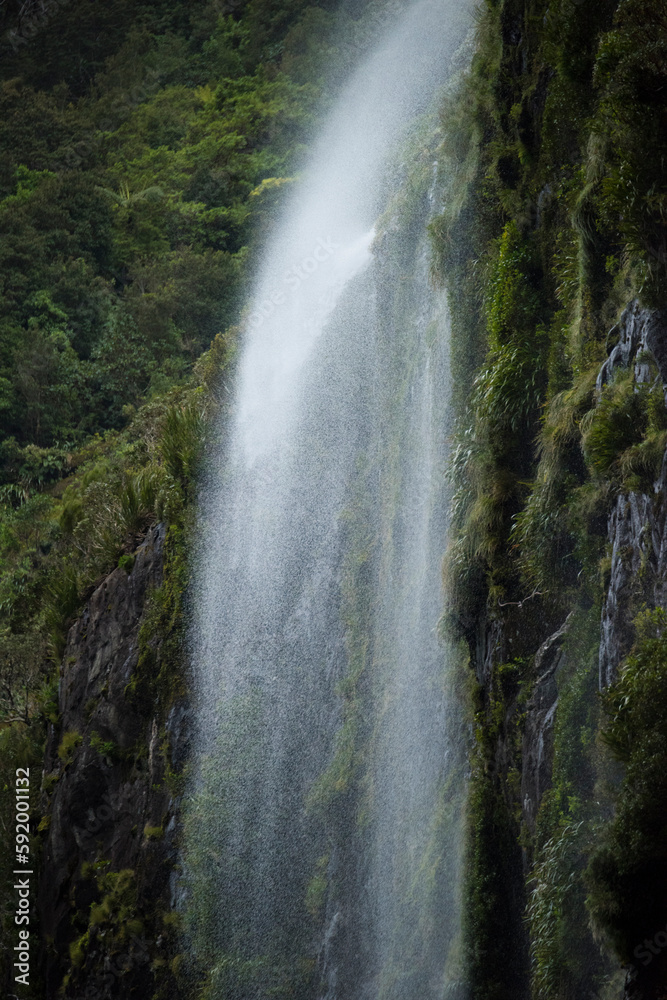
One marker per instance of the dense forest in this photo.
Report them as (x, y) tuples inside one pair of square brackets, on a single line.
[(145, 152)]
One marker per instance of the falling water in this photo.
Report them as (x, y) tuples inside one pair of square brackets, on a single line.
[(322, 844)]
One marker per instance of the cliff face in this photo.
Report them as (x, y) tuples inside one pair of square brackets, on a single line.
[(525, 775), (108, 886), (538, 736), (637, 531), (556, 569), (637, 541)]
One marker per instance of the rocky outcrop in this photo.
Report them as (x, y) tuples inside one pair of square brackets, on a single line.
[(626, 342), (636, 577), (630, 533), (637, 528), (637, 536), (538, 738), (112, 838)]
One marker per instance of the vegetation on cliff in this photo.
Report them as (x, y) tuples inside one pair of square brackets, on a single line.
[(143, 151), (553, 224)]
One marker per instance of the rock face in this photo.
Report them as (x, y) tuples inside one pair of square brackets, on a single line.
[(631, 552), (111, 809), (637, 528), (538, 739), (637, 577), (637, 534)]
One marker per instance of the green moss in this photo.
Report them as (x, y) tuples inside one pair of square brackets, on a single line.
[(49, 781), (78, 950), (68, 744), (153, 832), (126, 562), (317, 887)]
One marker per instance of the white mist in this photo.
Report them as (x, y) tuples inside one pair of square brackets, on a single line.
[(324, 389)]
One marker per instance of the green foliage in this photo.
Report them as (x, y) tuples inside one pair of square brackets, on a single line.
[(126, 562), (565, 960), (618, 422), (68, 744), (495, 453), (118, 903), (63, 601), (553, 882), (105, 748), (513, 300), (630, 70), (551, 226), (162, 633), (545, 529), (181, 441), (128, 197), (508, 390), (153, 832)]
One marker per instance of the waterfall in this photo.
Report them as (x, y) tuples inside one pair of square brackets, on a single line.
[(322, 845)]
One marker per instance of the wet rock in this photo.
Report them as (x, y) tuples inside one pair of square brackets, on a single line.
[(637, 527), (110, 785), (629, 340), (537, 755), (632, 527)]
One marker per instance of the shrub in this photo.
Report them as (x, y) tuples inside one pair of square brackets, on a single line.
[(181, 442), (631, 69), (618, 422), (512, 289)]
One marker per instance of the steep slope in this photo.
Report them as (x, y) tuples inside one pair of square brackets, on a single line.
[(551, 243)]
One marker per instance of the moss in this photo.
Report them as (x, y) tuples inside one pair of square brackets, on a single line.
[(68, 744), (49, 781), (317, 887), (78, 950), (153, 832), (126, 562), (89, 708)]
